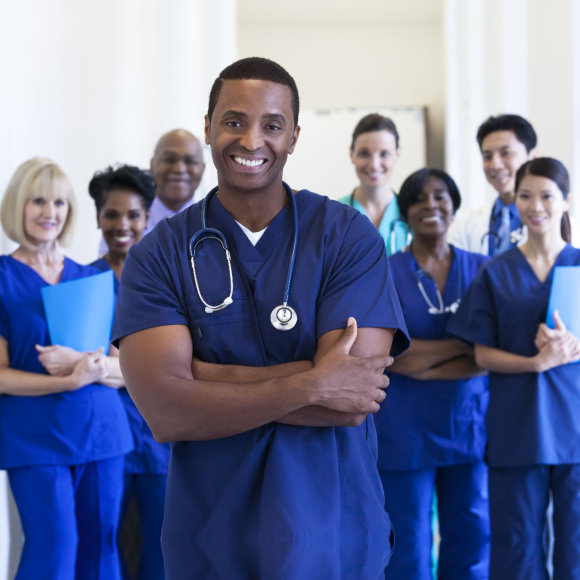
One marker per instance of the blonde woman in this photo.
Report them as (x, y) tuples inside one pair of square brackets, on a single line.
[(62, 437)]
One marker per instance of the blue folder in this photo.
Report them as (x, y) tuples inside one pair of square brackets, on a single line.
[(564, 297), (80, 312)]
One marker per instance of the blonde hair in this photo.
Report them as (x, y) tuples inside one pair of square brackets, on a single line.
[(37, 177)]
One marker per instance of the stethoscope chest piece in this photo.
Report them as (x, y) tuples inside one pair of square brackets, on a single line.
[(283, 317)]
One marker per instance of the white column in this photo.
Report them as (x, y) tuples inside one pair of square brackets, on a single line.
[(97, 82), (551, 82), (511, 56), (487, 71), (465, 60), (574, 164)]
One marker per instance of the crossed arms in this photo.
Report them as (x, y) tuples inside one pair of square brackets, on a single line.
[(185, 400)]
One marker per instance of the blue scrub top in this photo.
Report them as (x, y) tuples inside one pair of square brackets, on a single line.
[(148, 455), (66, 428), (280, 501), (532, 417), (391, 223), (424, 424)]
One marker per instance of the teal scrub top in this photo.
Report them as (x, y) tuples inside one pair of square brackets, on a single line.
[(392, 228)]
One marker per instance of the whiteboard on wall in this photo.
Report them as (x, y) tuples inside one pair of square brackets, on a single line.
[(321, 160)]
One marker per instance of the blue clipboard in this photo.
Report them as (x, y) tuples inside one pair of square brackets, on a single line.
[(80, 312), (564, 298)]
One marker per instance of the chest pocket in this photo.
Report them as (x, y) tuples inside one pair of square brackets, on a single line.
[(228, 336)]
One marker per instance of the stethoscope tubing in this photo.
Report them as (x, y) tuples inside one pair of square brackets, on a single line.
[(440, 308), (399, 222), (279, 313)]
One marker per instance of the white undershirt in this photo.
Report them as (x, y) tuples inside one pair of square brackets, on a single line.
[(254, 237)]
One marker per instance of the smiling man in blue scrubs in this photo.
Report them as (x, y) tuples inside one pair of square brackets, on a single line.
[(273, 470)]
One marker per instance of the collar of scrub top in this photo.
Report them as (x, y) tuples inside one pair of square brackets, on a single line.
[(440, 308), (283, 317), (398, 223)]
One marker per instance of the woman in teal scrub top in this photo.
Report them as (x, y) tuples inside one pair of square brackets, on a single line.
[(374, 152)]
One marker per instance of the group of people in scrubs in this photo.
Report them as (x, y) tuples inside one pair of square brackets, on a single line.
[(288, 452), (431, 432), (63, 429), (444, 429), (76, 449)]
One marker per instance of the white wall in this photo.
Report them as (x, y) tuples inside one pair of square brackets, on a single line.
[(368, 53), (463, 60), (97, 82), (518, 57)]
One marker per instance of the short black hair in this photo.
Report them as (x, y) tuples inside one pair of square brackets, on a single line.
[(122, 177), (375, 122), (413, 186), (256, 68), (522, 129)]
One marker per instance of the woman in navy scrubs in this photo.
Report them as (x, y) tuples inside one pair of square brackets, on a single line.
[(533, 424), (123, 196), (62, 437), (431, 429)]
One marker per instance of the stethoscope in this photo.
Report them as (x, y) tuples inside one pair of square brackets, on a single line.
[(516, 236), (393, 234), (440, 308), (282, 317), (393, 226)]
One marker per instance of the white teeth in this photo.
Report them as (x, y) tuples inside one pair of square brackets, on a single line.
[(249, 162), (122, 239)]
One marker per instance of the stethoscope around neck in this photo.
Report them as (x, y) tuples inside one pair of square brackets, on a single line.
[(440, 307), (282, 317), (516, 236)]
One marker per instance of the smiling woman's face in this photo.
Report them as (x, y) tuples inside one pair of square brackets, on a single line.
[(432, 212), (540, 204), (374, 156), (44, 219), (122, 220)]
